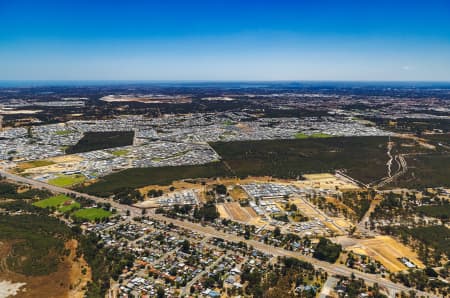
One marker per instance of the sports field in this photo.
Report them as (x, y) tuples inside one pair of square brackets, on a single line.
[(52, 201), (314, 135), (61, 202), (67, 180), (91, 213), (120, 152)]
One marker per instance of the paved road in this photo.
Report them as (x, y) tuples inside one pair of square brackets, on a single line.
[(209, 231)]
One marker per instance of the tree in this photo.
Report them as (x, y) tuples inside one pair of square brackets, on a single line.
[(186, 246), (277, 232), (327, 250), (221, 189), (160, 292)]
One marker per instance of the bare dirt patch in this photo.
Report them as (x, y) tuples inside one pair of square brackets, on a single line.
[(222, 212), (236, 212), (386, 250)]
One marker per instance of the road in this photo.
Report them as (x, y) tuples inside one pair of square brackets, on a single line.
[(403, 167), (335, 269)]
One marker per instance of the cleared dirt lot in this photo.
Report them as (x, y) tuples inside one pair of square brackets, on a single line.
[(386, 250), (326, 181), (234, 211), (56, 165), (222, 212)]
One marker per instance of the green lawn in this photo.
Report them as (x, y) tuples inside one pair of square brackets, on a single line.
[(120, 152), (55, 201), (58, 202), (92, 213), (63, 132), (301, 135), (68, 208), (67, 180)]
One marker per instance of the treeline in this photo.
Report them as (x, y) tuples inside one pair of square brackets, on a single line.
[(10, 191)]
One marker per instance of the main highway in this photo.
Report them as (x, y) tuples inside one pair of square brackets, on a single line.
[(333, 269)]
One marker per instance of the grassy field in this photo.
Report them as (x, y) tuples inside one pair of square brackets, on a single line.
[(102, 140), (91, 213), (35, 164), (120, 152), (55, 201), (58, 202), (67, 180), (314, 135), (63, 132), (139, 177), (68, 208)]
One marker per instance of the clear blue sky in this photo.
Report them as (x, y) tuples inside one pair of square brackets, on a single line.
[(225, 40)]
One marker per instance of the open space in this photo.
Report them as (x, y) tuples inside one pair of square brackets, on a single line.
[(67, 180), (52, 201), (61, 202), (387, 251), (91, 213), (35, 164)]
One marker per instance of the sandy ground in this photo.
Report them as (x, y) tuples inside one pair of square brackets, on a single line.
[(222, 212), (386, 250), (9, 289), (237, 212)]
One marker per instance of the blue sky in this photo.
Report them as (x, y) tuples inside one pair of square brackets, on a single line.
[(225, 40)]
